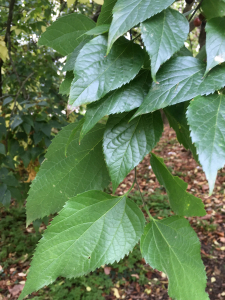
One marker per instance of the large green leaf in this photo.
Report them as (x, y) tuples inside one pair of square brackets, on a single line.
[(172, 246), (126, 143), (127, 98), (180, 79), (163, 35), (99, 74), (93, 229), (182, 203), (176, 115), (213, 8), (64, 88), (105, 16), (65, 34), (71, 58), (64, 176), (129, 13), (206, 117), (215, 42)]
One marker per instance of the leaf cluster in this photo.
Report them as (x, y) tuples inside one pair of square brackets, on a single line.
[(128, 66)]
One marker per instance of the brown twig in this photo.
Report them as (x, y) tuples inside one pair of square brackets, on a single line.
[(14, 67), (17, 95), (9, 21), (194, 12)]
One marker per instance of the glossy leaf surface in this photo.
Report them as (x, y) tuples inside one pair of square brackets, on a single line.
[(65, 34), (182, 203), (206, 117), (163, 35), (181, 79), (93, 229), (64, 176), (99, 74), (126, 143), (129, 13), (215, 42), (127, 98), (172, 246)]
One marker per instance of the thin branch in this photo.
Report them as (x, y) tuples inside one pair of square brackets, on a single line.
[(14, 67), (136, 37), (17, 95), (135, 179), (7, 96), (142, 198), (198, 6), (9, 21)]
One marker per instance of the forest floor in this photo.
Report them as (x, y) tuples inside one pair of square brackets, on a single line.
[(131, 278)]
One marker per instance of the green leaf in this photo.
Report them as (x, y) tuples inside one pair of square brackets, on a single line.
[(27, 128), (61, 178), (7, 101), (65, 34), (182, 203), (163, 35), (206, 117), (215, 42), (2, 149), (172, 246), (176, 115), (16, 121), (183, 52), (181, 79), (5, 195), (99, 74), (93, 229), (213, 8), (127, 98), (38, 136), (64, 88), (99, 30), (202, 54), (71, 58), (105, 16), (126, 143), (129, 13)]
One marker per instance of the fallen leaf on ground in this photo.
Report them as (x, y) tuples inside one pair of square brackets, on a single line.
[(16, 289)]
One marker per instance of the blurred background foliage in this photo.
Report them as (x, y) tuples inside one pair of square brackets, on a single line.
[(32, 110)]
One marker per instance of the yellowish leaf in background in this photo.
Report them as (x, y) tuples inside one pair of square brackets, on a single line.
[(3, 49), (70, 2), (43, 28), (100, 2), (17, 30)]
